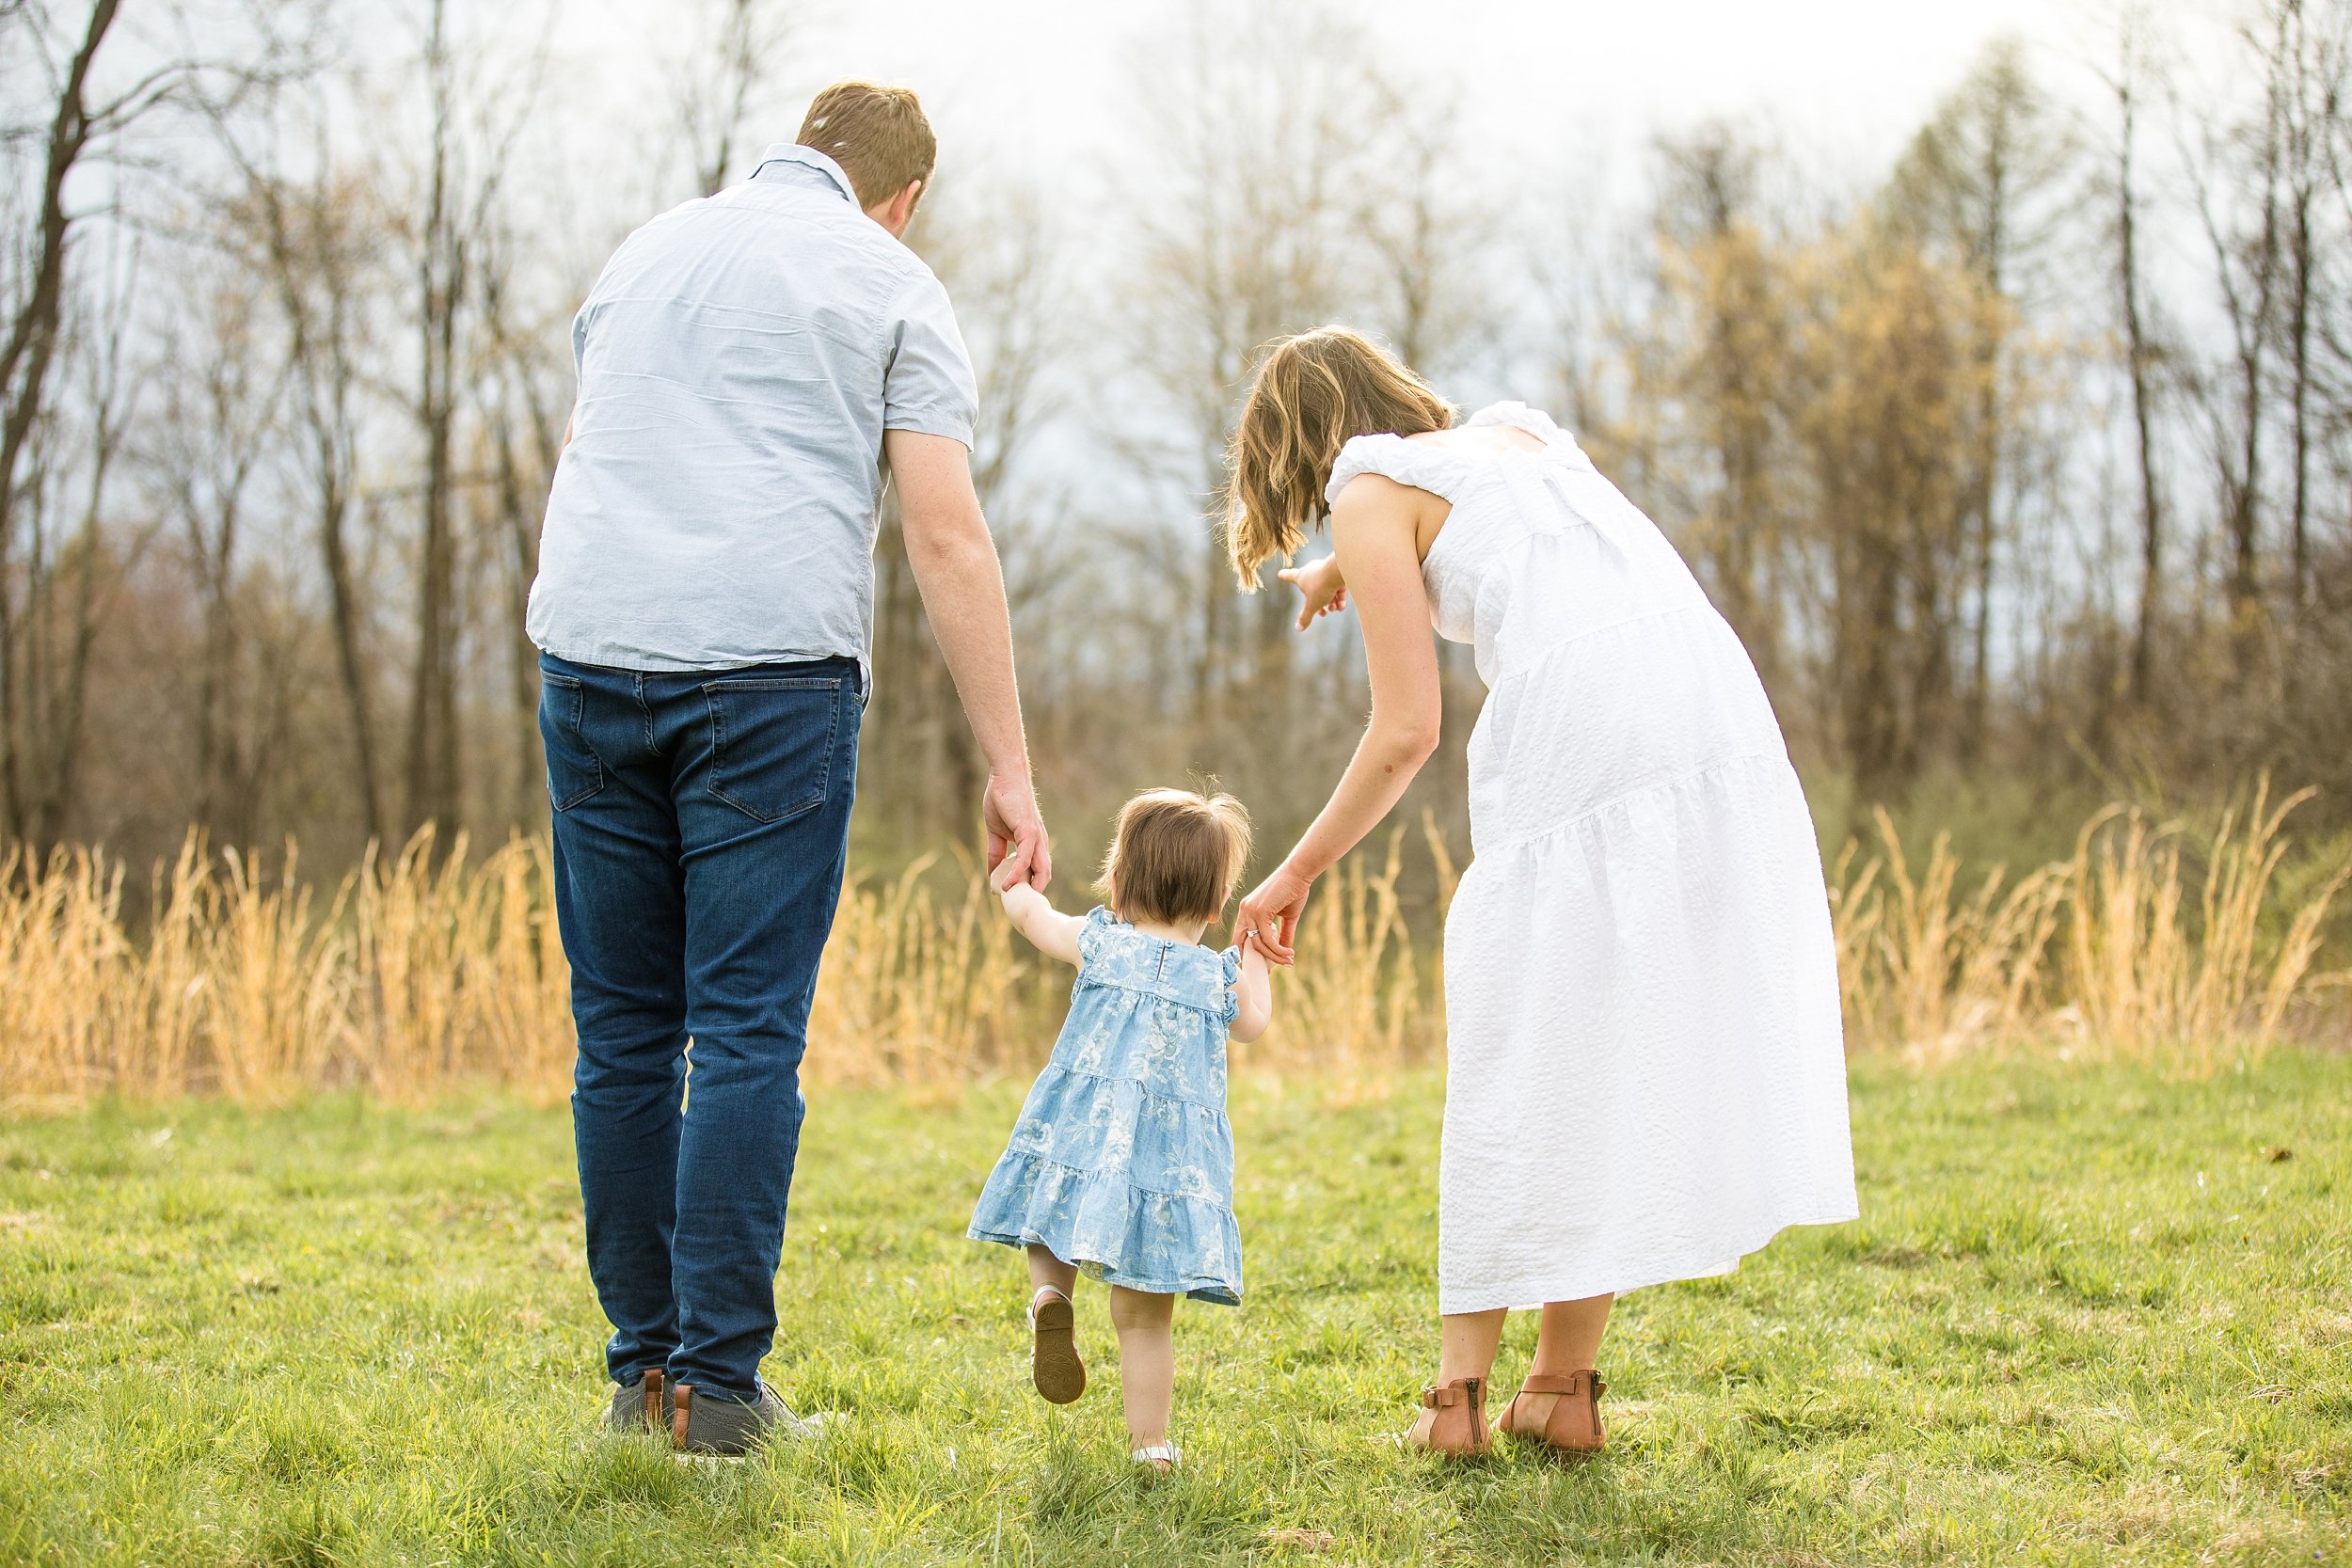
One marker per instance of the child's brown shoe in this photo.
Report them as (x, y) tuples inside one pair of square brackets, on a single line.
[(1573, 1424), (1054, 1364)]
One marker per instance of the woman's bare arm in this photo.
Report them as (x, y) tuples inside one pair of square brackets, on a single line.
[(1373, 537)]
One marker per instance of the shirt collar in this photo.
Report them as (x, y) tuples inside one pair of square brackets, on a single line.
[(793, 152)]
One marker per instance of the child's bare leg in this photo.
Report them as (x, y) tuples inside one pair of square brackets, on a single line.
[(1047, 1270), (1146, 1361), (1466, 1342)]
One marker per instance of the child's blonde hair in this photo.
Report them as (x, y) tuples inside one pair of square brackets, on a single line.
[(1176, 856), (1311, 394)]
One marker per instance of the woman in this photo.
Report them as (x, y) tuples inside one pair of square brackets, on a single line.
[(1645, 1075)]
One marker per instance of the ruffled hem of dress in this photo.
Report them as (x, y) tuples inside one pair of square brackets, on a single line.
[(1711, 776), (1708, 1262), (1007, 1214), (1066, 1074)]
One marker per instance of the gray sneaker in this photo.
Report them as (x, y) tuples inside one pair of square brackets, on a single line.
[(642, 1406), (716, 1423)]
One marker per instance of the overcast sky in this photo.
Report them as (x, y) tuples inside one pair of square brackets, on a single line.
[(1846, 80)]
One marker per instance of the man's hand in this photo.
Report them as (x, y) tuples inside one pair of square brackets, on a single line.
[(1019, 849), (963, 586)]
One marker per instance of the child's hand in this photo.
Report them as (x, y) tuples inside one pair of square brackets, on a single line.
[(1321, 589), (1009, 873)]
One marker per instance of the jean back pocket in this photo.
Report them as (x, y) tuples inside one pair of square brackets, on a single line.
[(771, 742), (574, 771)]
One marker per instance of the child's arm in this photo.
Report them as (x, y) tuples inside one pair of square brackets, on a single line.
[(1053, 933), (1256, 989)]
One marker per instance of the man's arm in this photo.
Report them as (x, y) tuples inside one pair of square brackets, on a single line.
[(962, 585)]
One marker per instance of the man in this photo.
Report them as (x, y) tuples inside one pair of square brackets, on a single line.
[(751, 366)]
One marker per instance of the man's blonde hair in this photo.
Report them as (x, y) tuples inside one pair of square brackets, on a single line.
[(878, 135), (1176, 856), (1311, 394)]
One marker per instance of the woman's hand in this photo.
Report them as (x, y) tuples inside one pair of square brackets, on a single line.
[(1319, 586), (1269, 916)]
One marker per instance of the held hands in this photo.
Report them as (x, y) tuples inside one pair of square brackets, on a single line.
[(1268, 918), (1019, 849), (1321, 589)]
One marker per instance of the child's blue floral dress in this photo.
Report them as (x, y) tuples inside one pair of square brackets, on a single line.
[(1123, 1161)]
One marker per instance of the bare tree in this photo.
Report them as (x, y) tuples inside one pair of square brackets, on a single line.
[(82, 125), (726, 79), (1250, 231), (66, 569), (1721, 367), (36, 319), (525, 383), (471, 127), (2237, 173), (2315, 47), (310, 237), (221, 389), (2129, 77), (1987, 178)]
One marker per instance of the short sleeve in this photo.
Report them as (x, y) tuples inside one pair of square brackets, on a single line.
[(1229, 965), (1420, 467), (929, 386)]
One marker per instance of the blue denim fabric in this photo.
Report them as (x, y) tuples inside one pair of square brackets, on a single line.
[(1123, 1160), (701, 824)]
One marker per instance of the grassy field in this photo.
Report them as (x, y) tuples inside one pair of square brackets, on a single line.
[(2090, 1316)]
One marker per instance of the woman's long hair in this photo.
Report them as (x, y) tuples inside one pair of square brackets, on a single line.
[(1311, 394)]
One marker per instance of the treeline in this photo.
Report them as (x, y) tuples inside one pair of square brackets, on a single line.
[(2027, 470)]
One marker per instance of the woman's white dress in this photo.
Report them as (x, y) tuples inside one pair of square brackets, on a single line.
[(1645, 1074)]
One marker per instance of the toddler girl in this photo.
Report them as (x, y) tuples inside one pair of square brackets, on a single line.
[(1123, 1161)]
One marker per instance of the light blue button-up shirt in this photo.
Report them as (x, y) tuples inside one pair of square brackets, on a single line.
[(739, 361)]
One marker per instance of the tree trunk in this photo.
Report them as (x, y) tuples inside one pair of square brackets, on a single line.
[(24, 364), (2141, 359), (432, 767)]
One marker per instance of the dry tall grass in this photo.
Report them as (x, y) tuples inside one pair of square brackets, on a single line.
[(422, 971), (2106, 952)]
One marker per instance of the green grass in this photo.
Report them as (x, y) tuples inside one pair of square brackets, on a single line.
[(2086, 1318)]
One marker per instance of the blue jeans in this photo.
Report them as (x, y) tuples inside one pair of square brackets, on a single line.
[(701, 823)]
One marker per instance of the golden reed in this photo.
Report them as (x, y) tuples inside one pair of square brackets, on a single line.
[(424, 971)]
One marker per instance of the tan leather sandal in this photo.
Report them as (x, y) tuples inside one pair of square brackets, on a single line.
[(1460, 1426), (1574, 1424)]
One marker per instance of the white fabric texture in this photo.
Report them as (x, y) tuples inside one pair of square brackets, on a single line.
[(1646, 1069)]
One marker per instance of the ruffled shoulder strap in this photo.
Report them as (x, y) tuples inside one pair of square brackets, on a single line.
[(1417, 463), (1229, 963), (1519, 417), (1097, 936), (1557, 442)]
